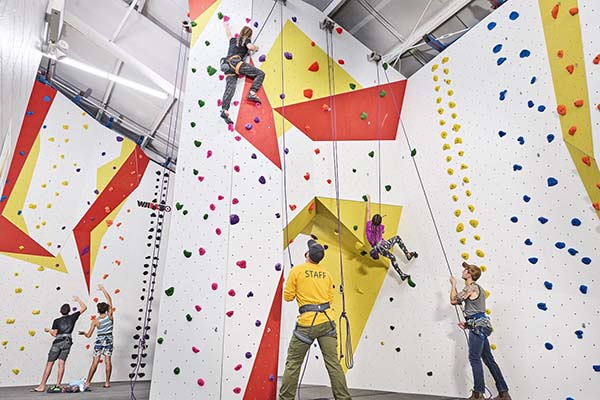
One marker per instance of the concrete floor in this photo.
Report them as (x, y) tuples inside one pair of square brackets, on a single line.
[(121, 391)]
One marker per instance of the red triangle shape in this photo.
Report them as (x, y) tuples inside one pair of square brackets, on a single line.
[(263, 378), (197, 7)]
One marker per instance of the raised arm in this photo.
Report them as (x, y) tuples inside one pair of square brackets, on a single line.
[(108, 300), (227, 30), (82, 306), (453, 293), (90, 332)]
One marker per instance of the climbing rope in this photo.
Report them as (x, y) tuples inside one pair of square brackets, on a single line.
[(266, 19), (378, 135), (435, 225), (343, 322), (141, 346)]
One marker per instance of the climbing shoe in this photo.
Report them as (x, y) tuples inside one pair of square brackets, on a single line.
[(411, 255), (253, 97), (54, 389), (503, 396), (225, 117)]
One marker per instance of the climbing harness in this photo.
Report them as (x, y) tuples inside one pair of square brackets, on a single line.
[(231, 63), (317, 309)]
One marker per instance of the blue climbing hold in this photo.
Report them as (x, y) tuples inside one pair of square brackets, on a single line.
[(533, 260), (530, 104), (29, 113), (533, 80), (517, 167), (579, 334), (560, 245), (513, 15), (521, 140), (514, 219), (524, 53), (596, 368), (552, 182), (548, 346), (503, 95), (572, 251), (497, 48), (46, 99), (491, 26), (575, 222), (541, 108), (21, 153), (501, 60), (526, 198), (543, 220), (528, 242), (586, 260), (548, 285), (501, 133), (542, 306), (583, 289), (550, 138)]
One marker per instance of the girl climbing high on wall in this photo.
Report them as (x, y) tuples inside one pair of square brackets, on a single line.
[(374, 231), (234, 65)]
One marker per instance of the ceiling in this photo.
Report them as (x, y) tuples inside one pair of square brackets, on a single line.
[(142, 41)]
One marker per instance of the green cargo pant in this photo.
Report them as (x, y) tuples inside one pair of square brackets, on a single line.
[(295, 357)]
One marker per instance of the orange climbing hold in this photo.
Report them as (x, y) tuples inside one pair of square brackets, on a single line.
[(325, 107), (586, 160), (561, 109), (596, 206), (308, 93), (574, 11), (560, 53), (598, 185), (572, 130), (314, 67), (598, 106), (555, 11), (570, 68), (578, 103)]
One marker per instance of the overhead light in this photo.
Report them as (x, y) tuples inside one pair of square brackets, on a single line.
[(107, 75)]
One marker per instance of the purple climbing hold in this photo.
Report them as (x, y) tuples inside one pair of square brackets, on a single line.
[(234, 219), (256, 120), (294, 19), (119, 138), (250, 294), (262, 180), (277, 215), (248, 355), (262, 58), (288, 55), (282, 96), (278, 267), (248, 126), (257, 323), (256, 24), (271, 378), (253, 156), (286, 150)]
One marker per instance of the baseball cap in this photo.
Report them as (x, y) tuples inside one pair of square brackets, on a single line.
[(316, 252), (474, 270)]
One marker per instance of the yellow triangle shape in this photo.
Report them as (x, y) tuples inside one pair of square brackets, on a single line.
[(201, 22)]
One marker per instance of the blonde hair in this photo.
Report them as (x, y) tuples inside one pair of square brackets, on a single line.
[(245, 34)]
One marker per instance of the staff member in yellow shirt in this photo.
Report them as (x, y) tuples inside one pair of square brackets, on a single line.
[(311, 285)]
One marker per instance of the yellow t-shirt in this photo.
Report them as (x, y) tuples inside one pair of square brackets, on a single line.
[(310, 284)]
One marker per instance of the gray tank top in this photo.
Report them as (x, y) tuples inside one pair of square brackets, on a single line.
[(105, 326), (473, 307)]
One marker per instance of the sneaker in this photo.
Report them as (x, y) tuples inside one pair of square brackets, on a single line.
[(476, 395), (225, 116), (503, 396), (253, 97)]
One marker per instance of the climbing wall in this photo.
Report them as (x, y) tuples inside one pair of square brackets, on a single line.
[(505, 121), (76, 211), (222, 333)]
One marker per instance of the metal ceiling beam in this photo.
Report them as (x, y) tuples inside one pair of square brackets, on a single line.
[(121, 54), (333, 7), (123, 20), (375, 14), (169, 103), (445, 14), (109, 89)]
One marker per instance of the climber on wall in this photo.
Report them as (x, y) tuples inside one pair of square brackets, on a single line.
[(62, 328), (104, 340), (234, 65), (374, 231), (472, 298), (311, 285)]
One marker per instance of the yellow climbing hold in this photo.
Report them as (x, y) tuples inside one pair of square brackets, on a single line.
[(487, 294), (444, 134), (451, 104), (15, 371), (32, 206), (460, 227), (35, 312), (51, 139), (448, 158), (488, 311), (4, 342), (65, 183), (445, 60), (457, 212), (446, 70), (493, 346), (22, 348), (480, 253), (448, 81), (382, 343), (454, 197), (40, 268), (465, 256), (465, 180), (464, 166), (65, 127), (18, 290), (434, 67), (438, 100), (450, 171), (440, 111), (474, 223), (437, 88), (450, 92), (452, 186), (457, 140), (436, 78), (476, 237), (31, 333), (483, 268), (471, 207), (446, 146), (454, 115), (468, 193), (10, 321), (461, 153), (85, 126), (456, 127), (463, 240), (442, 122)]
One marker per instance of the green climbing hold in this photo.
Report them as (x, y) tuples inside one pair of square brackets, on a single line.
[(193, 124), (365, 198), (197, 143), (201, 103), (352, 86), (170, 291), (413, 152), (178, 206), (385, 66), (363, 115), (220, 15), (372, 154), (185, 212), (194, 24), (187, 254), (194, 70), (211, 70), (160, 340), (382, 93), (205, 216), (355, 227), (195, 172), (388, 188), (176, 371), (188, 317), (207, 43)]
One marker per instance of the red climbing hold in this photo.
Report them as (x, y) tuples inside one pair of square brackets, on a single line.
[(341, 61), (292, 207), (598, 106), (597, 59), (561, 109), (555, 11), (586, 160), (314, 67), (307, 176), (329, 181), (325, 107), (598, 185), (317, 151), (229, 314), (596, 206), (339, 30), (578, 103), (560, 54), (312, 44), (570, 68), (308, 93), (572, 130), (574, 11)]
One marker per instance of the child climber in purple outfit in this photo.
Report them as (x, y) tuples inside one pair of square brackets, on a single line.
[(374, 230)]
